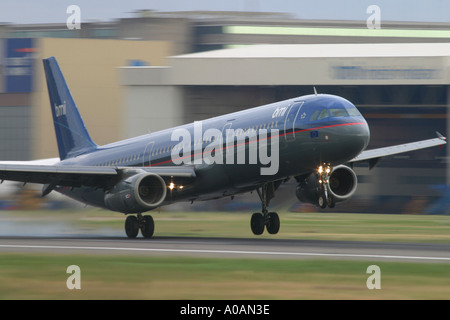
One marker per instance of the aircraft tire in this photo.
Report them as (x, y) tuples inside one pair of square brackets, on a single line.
[(257, 223), (131, 227), (273, 224), (148, 226), (322, 202), (331, 202)]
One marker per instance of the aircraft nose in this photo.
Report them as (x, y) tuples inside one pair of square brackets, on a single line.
[(346, 144), (363, 134), (358, 139)]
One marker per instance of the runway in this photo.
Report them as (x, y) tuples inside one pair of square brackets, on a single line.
[(231, 248)]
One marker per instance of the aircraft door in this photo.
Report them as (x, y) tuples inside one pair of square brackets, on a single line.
[(291, 117), (147, 158), (226, 127)]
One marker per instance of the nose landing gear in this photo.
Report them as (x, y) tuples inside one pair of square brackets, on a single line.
[(323, 176)]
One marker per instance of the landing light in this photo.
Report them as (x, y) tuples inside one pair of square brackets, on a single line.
[(172, 186), (322, 169)]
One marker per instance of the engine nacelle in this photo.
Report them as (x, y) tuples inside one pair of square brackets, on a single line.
[(342, 185), (138, 193)]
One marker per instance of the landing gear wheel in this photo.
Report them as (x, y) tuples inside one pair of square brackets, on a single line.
[(331, 203), (257, 223), (131, 227), (147, 227), (322, 202), (268, 220), (273, 223)]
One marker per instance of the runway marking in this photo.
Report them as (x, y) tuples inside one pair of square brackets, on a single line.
[(278, 253)]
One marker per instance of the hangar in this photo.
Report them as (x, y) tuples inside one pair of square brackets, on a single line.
[(402, 89)]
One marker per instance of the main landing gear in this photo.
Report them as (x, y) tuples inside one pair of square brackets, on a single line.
[(144, 223), (269, 220)]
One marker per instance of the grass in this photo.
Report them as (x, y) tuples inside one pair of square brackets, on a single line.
[(43, 276), (128, 277), (316, 226)]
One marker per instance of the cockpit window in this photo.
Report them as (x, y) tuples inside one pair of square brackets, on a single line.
[(336, 109), (338, 113), (314, 115), (323, 114), (353, 112)]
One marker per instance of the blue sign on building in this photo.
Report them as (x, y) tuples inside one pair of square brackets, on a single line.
[(18, 65)]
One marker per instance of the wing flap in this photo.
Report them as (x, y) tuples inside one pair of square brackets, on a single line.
[(171, 171), (76, 176), (61, 175)]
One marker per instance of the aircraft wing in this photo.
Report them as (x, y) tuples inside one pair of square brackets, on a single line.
[(375, 155), (76, 176), (65, 175)]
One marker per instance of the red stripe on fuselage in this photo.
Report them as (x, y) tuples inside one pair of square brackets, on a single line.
[(280, 135)]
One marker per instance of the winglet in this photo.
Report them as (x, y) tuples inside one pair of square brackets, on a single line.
[(440, 136), (71, 134)]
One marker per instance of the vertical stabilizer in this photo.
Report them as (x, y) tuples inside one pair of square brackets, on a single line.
[(71, 134)]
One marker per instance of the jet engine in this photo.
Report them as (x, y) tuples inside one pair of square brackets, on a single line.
[(138, 193), (340, 185)]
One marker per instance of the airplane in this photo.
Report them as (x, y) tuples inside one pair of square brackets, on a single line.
[(314, 139)]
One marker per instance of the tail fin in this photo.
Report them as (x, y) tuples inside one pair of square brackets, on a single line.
[(71, 134)]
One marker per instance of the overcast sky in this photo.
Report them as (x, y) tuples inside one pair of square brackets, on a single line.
[(54, 11)]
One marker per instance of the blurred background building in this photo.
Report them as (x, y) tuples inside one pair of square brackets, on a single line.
[(158, 70)]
